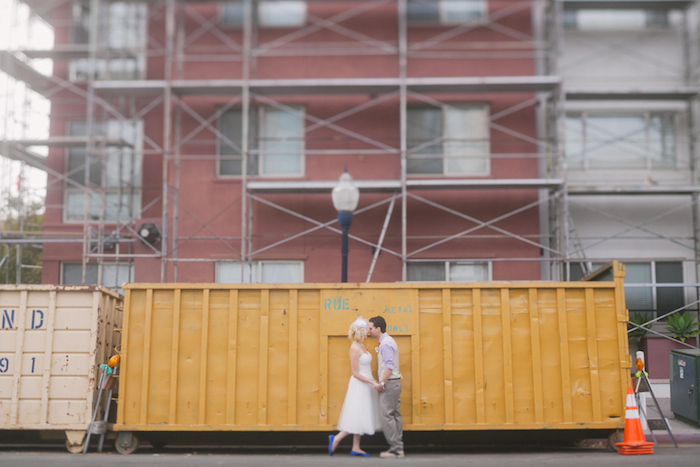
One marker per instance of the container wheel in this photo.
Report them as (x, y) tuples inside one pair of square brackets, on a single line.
[(616, 436), (126, 442)]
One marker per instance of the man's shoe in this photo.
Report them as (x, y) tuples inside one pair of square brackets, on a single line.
[(392, 454)]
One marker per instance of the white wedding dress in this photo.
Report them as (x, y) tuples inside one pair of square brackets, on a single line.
[(360, 412)]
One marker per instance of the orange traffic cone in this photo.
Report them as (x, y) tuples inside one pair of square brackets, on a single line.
[(634, 441)]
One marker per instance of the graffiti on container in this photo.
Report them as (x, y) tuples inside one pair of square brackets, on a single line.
[(398, 309), (336, 304), (8, 319)]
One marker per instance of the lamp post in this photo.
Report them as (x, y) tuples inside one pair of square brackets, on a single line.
[(345, 198)]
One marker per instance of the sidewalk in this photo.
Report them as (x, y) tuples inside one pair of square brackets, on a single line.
[(683, 431)]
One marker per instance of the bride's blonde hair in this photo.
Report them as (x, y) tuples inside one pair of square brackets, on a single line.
[(358, 330)]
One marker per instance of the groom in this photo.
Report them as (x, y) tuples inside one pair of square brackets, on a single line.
[(389, 387)]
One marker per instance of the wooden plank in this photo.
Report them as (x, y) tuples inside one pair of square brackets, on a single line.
[(232, 357), (293, 356), (479, 360), (508, 390), (264, 356), (48, 357), (447, 354), (536, 356), (174, 355), (203, 359), (592, 340), (564, 356), (146, 357)]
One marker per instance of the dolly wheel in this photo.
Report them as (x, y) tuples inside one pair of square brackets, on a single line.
[(126, 442)]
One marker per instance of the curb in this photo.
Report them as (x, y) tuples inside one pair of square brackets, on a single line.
[(681, 438)]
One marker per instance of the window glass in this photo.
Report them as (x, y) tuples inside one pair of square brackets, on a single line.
[(467, 144), (424, 137), (122, 163), (281, 272), (282, 13), (270, 13), (270, 272), (638, 298), (230, 156), (635, 141), (236, 273), (424, 272), (615, 20), (669, 298), (282, 141), (445, 11), (469, 272), (451, 271), (122, 27), (114, 275), (453, 140)]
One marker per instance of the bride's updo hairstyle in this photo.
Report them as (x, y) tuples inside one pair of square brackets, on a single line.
[(358, 330)]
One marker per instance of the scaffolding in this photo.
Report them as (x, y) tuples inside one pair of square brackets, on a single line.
[(115, 93)]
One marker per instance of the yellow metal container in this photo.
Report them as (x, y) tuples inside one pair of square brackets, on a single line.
[(52, 341), (487, 356)]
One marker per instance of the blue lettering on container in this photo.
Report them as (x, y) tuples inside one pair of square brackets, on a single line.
[(336, 304), (398, 309), (35, 324), (8, 320)]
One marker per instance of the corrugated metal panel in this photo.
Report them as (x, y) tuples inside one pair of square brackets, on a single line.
[(52, 341), (474, 356)]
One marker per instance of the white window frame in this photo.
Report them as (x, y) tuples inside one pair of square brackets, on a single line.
[(448, 263), (257, 271), (449, 146), (263, 158), (131, 190), (582, 161), (133, 40)]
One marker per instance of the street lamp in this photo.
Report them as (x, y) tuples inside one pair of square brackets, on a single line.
[(345, 198)]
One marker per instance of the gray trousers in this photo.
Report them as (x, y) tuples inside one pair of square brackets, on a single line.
[(392, 426)]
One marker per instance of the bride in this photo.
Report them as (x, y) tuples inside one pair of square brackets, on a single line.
[(360, 413)]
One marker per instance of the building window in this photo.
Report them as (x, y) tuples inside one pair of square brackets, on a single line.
[(280, 14), (119, 174), (265, 272), (230, 145), (652, 300), (448, 271), (122, 29), (452, 140), (615, 20), (114, 275), (445, 11), (635, 141), (277, 150)]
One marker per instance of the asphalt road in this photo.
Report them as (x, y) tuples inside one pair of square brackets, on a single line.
[(664, 456)]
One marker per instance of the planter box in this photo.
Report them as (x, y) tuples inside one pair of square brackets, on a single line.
[(657, 350)]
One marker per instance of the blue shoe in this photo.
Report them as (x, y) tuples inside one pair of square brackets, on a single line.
[(361, 454), (330, 444)]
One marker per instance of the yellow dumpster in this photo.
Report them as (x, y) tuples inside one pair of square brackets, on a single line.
[(52, 341), (273, 357)]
